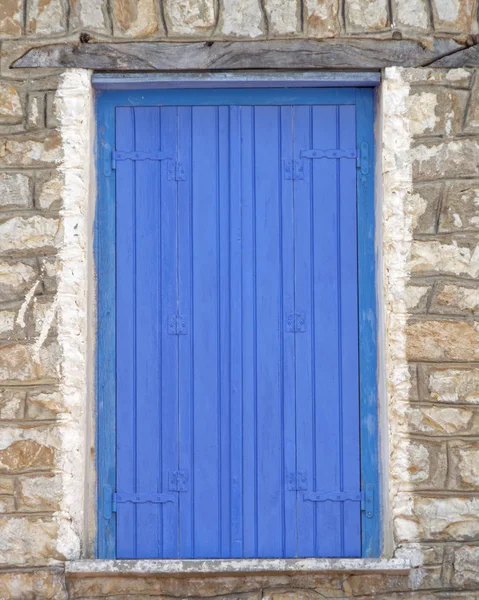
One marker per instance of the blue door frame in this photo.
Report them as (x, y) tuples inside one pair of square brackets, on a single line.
[(105, 240)]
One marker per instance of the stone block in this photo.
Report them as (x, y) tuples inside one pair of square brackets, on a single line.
[(50, 269), (416, 298), (38, 493), (436, 420), (46, 17), (464, 465), (466, 567), (28, 363), (12, 405), (39, 584), (247, 22), (10, 105), (446, 518), (444, 160), (44, 404), (375, 583), (460, 210), (366, 15), (36, 110), (25, 454), (20, 234), (190, 17), (28, 540), (441, 340), (48, 190), (136, 18), (437, 111), (321, 18), (6, 486), (31, 152), (455, 257), (421, 553), (11, 18), (52, 119), (455, 299), (454, 16), (451, 385), (456, 78), (91, 15), (412, 14), (431, 194), (472, 117), (15, 190), (7, 504), (420, 463), (17, 278)]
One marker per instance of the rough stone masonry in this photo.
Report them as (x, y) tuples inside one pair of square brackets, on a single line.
[(428, 215)]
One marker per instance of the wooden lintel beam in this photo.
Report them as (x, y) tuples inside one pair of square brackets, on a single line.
[(276, 54), (468, 57)]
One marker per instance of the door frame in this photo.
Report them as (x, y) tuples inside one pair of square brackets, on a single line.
[(114, 91)]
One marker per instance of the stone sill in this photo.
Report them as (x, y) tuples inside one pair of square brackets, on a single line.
[(236, 566)]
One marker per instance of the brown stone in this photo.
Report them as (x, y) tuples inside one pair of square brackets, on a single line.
[(443, 340), (40, 584), (37, 493), (455, 299), (25, 454), (31, 152), (10, 104), (136, 18), (6, 486), (375, 583), (460, 211), (11, 18), (430, 193), (24, 363), (12, 404), (46, 17), (321, 18)]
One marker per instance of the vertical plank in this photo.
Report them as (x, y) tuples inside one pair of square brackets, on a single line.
[(207, 356), (147, 185), (168, 256), (126, 333), (349, 330)]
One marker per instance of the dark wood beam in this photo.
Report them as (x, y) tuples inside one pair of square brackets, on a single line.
[(469, 57), (277, 54)]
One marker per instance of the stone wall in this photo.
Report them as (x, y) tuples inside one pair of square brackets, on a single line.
[(431, 290)]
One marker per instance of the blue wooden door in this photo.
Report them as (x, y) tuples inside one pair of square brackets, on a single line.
[(237, 331)]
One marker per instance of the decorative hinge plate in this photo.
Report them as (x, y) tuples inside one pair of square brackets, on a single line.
[(367, 505), (141, 498), (137, 155), (334, 496), (297, 481), (295, 322), (176, 324), (176, 171), (178, 481), (334, 153), (363, 158), (293, 169)]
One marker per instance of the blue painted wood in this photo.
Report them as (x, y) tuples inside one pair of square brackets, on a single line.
[(370, 470), (238, 403)]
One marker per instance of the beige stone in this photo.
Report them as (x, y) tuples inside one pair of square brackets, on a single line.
[(247, 22), (437, 111), (49, 192), (437, 420), (44, 315), (10, 105), (366, 15), (135, 18), (282, 16), (12, 404), (375, 583), (15, 190), (459, 78), (89, 14), (430, 193), (448, 258), (27, 540), (466, 567), (22, 363), (46, 17), (44, 405), (454, 385), (321, 18), (190, 17), (440, 160), (25, 454), (29, 233), (436, 518), (416, 297), (38, 493), (472, 118), (36, 110), (11, 18), (464, 465), (412, 14), (453, 15), (443, 340), (456, 299), (7, 504), (39, 584), (7, 323), (16, 278), (460, 207), (420, 463), (6, 486), (31, 152)]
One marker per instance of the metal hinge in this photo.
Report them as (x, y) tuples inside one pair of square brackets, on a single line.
[(334, 496), (334, 153), (141, 498), (176, 324), (367, 504), (176, 171), (295, 322), (178, 481), (117, 155), (297, 481), (293, 169), (363, 158)]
